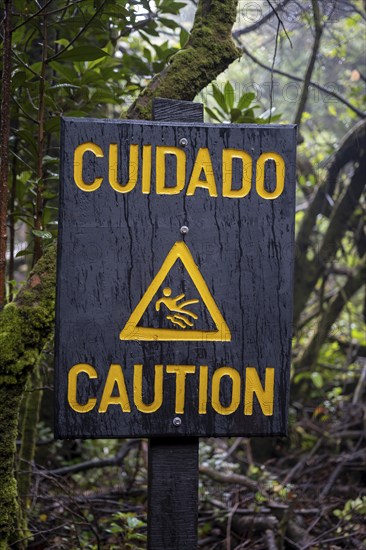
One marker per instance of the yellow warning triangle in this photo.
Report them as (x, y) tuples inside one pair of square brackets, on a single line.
[(131, 331)]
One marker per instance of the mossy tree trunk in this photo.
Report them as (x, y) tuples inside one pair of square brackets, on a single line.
[(26, 324), (33, 398), (208, 52)]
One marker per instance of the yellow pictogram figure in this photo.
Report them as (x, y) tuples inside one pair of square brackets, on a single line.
[(132, 330), (172, 304)]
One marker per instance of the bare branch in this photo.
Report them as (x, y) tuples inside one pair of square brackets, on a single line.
[(348, 151), (39, 12), (311, 352), (261, 21), (53, 57), (307, 272), (102, 463), (280, 23), (311, 64), (229, 478), (331, 93)]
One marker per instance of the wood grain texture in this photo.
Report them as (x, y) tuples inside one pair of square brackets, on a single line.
[(185, 111), (173, 461), (173, 493), (111, 246)]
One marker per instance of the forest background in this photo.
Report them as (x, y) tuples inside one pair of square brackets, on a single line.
[(260, 61)]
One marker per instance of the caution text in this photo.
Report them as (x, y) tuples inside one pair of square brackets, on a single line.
[(214, 175), (239, 393)]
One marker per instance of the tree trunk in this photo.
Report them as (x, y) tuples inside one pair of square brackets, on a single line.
[(26, 324)]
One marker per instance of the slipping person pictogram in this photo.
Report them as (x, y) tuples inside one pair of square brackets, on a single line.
[(181, 315), (177, 313)]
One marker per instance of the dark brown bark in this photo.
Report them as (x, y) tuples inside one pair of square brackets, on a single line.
[(4, 142), (38, 214)]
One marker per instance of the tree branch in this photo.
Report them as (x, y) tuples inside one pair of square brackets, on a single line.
[(208, 52), (72, 42), (4, 142), (102, 463), (348, 151), (41, 9), (311, 64), (280, 22), (331, 93), (261, 21), (229, 478), (307, 272), (309, 358)]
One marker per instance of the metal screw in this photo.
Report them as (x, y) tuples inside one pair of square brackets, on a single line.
[(177, 421), (184, 230), (183, 142)]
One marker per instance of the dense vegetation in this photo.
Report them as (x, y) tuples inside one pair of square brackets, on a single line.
[(283, 61)]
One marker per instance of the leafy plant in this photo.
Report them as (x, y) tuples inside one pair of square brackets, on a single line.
[(242, 111), (128, 526)]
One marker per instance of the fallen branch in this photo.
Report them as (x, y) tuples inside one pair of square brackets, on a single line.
[(116, 460), (270, 540), (229, 478)]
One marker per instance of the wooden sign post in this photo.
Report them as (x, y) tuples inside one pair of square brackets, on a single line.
[(174, 292), (173, 462)]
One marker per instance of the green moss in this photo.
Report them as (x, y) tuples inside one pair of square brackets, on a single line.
[(9, 508), (10, 334), (209, 51), (26, 324), (29, 434)]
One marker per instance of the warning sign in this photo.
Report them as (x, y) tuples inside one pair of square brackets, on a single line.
[(174, 289), (177, 307)]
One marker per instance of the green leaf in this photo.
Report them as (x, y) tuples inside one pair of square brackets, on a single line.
[(248, 116), (219, 98), (183, 37), (133, 522), (82, 53), (169, 23), (235, 114), (171, 7), (63, 85), (245, 100), (25, 252), (18, 78), (229, 95), (317, 379), (67, 72), (275, 117), (42, 234), (213, 114)]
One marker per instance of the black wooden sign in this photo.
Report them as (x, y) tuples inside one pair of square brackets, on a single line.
[(175, 260)]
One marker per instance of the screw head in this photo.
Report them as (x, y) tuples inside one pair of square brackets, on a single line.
[(184, 230), (177, 421), (183, 142)]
